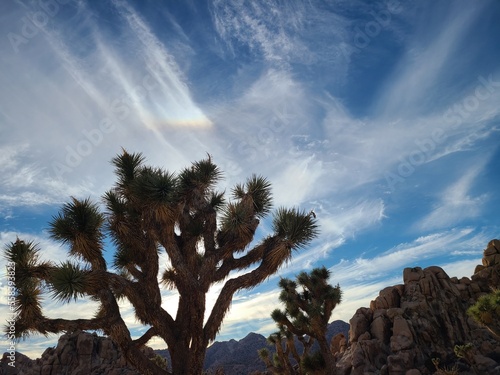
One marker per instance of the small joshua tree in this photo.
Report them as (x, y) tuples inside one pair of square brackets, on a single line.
[(306, 315), (486, 311), (148, 212), (284, 344)]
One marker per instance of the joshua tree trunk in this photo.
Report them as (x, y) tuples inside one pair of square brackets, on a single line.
[(186, 360), (188, 351), (327, 356)]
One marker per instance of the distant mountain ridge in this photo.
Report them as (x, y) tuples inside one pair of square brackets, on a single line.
[(241, 357)]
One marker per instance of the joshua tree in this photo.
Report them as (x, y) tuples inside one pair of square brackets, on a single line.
[(148, 212), (284, 342), (306, 316), (486, 311), (279, 363)]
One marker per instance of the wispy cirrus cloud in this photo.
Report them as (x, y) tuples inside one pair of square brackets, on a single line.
[(456, 204), (413, 82), (403, 255), (26, 182), (99, 104), (259, 26), (350, 217), (283, 35), (175, 103)]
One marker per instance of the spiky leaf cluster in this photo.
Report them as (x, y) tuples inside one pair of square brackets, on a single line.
[(28, 267), (127, 167), (69, 281), (295, 226), (486, 311), (141, 192), (240, 218), (80, 225), (314, 363), (29, 274), (202, 176), (258, 190)]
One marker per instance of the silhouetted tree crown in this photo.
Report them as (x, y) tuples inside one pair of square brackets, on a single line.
[(148, 212)]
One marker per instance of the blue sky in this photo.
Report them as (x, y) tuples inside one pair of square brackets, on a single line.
[(383, 117)]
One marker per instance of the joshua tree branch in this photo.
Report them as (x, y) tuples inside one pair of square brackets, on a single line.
[(274, 258), (231, 263), (148, 335), (58, 325)]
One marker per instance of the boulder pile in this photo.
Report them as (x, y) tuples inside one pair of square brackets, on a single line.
[(76, 353), (410, 328)]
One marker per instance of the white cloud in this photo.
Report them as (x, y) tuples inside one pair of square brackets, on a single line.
[(25, 182), (285, 35), (362, 151), (463, 268), (455, 203), (67, 151), (261, 27), (176, 105), (415, 78), (350, 217), (297, 181), (404, 255)]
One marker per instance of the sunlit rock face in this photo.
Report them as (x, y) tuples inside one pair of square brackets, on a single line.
[(409, 325)]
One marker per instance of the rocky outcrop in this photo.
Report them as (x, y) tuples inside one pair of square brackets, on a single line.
[(77, 353), (409, 325)]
